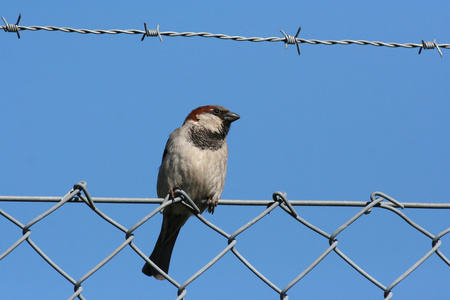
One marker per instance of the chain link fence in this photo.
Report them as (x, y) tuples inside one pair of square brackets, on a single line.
[(79, 193)]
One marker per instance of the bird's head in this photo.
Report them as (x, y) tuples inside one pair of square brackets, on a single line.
[(213, 118)]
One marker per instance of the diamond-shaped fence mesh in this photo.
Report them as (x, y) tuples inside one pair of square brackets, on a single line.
[(79, 193)]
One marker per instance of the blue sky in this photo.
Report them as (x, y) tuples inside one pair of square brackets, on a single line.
[(336, 123)]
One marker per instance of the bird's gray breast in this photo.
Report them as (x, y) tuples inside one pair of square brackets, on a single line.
[(199, 172)]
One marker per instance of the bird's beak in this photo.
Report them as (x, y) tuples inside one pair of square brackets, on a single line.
[(231, 116)]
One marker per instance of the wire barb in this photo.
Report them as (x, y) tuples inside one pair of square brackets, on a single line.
[(12, 27), (289, 39), (151, 32), (430, 45)]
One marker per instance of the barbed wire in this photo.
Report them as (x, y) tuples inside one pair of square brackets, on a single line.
[(80, 194), (287, 39)]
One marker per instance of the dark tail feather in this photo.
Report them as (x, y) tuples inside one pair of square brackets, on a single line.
[(162, 252), (161, 256)]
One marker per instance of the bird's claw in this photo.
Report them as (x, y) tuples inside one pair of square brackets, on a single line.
[(211, 205), (172, 192)]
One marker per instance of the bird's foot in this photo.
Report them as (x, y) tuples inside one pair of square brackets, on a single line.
[(212, 204), (172, 192)]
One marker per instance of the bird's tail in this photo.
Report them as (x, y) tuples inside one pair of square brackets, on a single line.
[(162, 252)]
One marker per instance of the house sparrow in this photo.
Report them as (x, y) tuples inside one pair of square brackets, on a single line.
[(194, 160)]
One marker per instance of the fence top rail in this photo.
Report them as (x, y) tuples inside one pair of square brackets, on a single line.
[(334, 203)]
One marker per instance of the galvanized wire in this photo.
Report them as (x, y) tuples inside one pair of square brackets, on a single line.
[(80, 194), (287, 39), (345, 203)]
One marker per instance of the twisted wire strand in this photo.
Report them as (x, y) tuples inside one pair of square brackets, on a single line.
[(290, 39)]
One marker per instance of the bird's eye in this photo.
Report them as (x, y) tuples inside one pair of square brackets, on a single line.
[(216, 111)]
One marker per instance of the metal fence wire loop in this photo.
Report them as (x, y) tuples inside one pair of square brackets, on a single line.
[(370, 209), (187, 200), (281, 197), (384, 196), (82, 186), (437, 239)]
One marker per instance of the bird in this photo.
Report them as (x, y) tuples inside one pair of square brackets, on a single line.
[(195, 161)]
